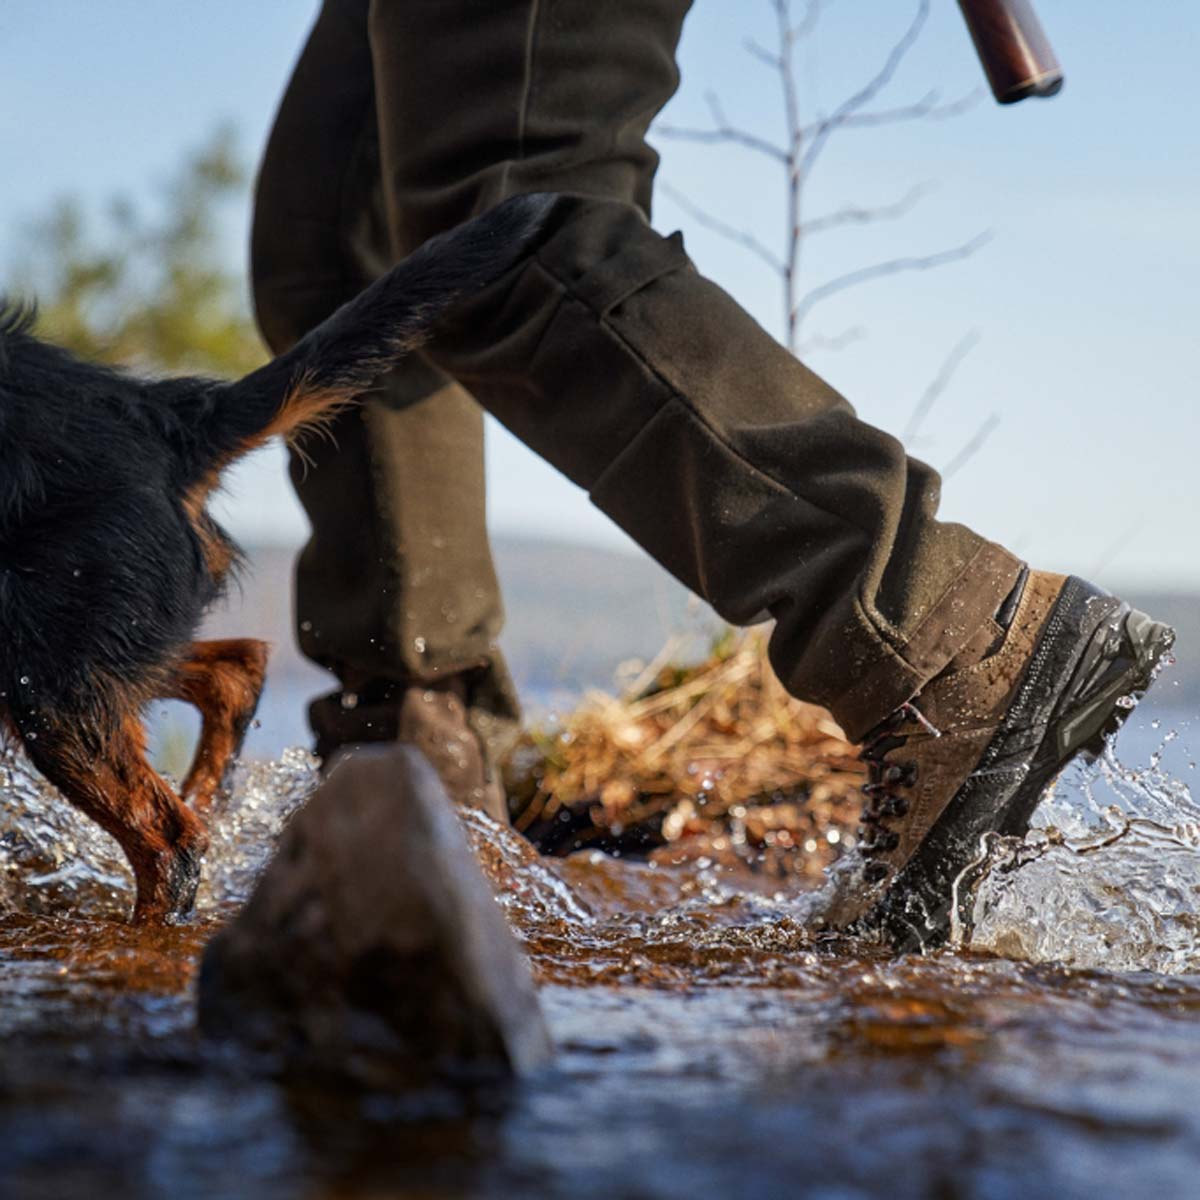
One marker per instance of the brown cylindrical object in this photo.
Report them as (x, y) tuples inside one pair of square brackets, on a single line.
[(1013, 48)]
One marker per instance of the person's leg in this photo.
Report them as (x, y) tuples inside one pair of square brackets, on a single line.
[(396, 589), (735, 466)]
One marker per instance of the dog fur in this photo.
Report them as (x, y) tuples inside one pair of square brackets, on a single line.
[(109, 558)]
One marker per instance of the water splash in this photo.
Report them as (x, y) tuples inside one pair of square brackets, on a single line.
[(246, 823), (1108, 876), (53, 860)]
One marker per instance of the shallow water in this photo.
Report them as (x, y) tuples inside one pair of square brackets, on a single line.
[(707, 1044)]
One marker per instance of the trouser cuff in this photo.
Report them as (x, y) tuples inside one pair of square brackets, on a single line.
[(889, 675)]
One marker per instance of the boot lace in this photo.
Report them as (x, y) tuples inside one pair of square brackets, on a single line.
[(885, 782)]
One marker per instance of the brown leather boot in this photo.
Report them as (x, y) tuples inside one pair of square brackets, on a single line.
[(433, 717), (976, 749)]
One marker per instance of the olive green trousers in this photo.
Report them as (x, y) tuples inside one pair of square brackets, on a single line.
[(607, 352)]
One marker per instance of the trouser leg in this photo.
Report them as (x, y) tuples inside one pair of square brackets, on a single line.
[(740, 470), (396, 583)]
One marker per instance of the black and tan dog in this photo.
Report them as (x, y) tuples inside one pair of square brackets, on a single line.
[(108, 557)]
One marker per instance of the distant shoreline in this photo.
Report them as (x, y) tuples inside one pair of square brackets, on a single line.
[(575, 612)]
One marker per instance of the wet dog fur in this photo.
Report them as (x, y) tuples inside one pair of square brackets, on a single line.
[(109, 558)]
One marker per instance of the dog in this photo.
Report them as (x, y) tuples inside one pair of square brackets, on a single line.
[(109, 557)]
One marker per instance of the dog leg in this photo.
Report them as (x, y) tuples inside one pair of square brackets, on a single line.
[(223, 679), (105, 774)]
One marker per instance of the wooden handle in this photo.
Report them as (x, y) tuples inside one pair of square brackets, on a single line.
[(1013, 48)]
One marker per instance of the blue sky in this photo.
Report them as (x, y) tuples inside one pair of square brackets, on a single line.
[(1085, 301)]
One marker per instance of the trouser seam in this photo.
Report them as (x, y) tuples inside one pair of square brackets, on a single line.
[(531, 30)]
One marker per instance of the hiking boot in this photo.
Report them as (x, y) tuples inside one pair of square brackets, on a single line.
[(433, 717), (1052, 676)]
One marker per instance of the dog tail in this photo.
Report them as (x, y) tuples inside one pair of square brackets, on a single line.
[(335, 363)]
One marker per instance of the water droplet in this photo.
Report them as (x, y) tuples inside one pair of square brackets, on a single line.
[(419, 645), (306, 626), (24, 681), (349, 700)]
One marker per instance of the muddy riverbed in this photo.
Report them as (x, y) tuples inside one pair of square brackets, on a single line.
[(707, 1045)]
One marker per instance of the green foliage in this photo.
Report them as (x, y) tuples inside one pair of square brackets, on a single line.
[(147, 285)]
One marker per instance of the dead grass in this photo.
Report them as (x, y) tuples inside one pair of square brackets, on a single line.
[(711, 760)]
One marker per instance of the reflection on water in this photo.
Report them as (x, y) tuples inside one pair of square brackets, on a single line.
[(707, 1044)]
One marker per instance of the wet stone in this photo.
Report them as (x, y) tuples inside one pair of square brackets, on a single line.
[(372, 947)]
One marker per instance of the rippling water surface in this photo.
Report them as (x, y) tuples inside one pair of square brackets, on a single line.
[(707, 1045)]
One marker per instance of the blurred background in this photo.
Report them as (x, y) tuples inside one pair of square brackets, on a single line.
[(1011, 290)]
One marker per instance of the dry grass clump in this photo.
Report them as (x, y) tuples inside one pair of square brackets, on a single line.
[(711, 760)]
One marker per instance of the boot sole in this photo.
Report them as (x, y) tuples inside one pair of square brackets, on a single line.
[(1103, 651)]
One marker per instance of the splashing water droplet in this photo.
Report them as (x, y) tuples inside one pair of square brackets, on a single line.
[(1106, 877), (53, 859)]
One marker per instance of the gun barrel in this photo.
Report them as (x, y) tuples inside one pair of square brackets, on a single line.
[(1016, 54)]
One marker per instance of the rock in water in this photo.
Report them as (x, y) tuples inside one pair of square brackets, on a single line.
[(372, 945)]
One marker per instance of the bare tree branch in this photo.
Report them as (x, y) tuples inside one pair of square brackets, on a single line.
[(893, 266), (819, 135), (795, 183), (839, 341), (735, 136), (803, 145), (853, 214), (787, 74), (939, 383), (723, 131), (925, 109), (715, 110), (741, 236), (762, 54), (973, 446), (808, 23)]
